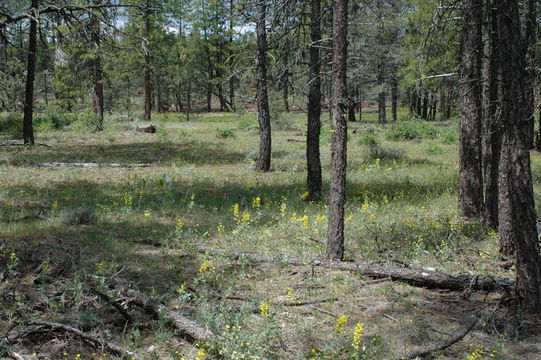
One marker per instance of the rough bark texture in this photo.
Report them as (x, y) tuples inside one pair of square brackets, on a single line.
[(470, 179), (517, 209), (97, 72), (491, 122), (335, 232), (529, 36), (148, 89), (28, 129), (263, 113), (313, 178), (394, 98)]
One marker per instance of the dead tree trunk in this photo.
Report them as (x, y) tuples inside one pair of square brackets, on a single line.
[(313, 178), (148, 89), (337, 196), (263, 114), (518, 220), (28, 130), (470, 181)]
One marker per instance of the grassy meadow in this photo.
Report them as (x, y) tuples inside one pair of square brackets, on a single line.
[(66, 229)]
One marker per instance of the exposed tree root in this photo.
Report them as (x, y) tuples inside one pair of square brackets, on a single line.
[(113, 303), (423, 351)]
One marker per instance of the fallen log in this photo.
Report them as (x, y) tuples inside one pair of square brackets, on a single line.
[(423, 351), (151, 129), (109, 346), (424, 277), (186, 326)]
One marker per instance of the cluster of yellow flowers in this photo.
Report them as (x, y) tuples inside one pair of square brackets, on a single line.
[(476, 354), (264, 310), (207, 266), (256, 202), (127, 198), (357, 335), (340, 323), (8, 253)]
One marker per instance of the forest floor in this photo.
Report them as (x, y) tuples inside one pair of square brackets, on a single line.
[(177, 230)]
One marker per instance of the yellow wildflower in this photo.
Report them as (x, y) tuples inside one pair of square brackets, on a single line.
[(256, 202), (147, 213), (192, 197), (207, 265), (236, 210), (264, 309), (357, 335), (342, 320), (283, 209)]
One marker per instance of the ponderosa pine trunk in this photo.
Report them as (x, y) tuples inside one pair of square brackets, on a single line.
[(394, 97), (491, 126), (28, 129), (147, 75), (529, 36), (97, 71), (313, 160), (518, 220), (263, 113), (337, 195), (470, 176)]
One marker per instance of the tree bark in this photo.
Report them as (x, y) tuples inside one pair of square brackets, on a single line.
[(148, 89), (517, 209), (443, 105), (470, 176), (313, 160), (28, 129), (491, 126), (394, 97), (263, 115), (529, 37), (97, 72), (335, 232)]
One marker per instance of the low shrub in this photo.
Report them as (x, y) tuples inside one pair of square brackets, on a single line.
[(386, 154), (225, 133), (411, 129)]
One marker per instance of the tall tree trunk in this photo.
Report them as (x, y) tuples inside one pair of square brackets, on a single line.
[(148, 89), (360, 104), (337, 196), (97, 72), (529, 36), (443, 105), (313, 178), (28, 130), (517, 209), (491, 125), (394, 96), (382, 111), (189, 101), (470, 177), (263, 114), (231, 77)]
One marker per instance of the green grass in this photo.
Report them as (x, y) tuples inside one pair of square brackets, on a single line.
[(398, 210)]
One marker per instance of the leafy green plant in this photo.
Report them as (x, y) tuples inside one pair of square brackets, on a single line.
[(411, 129), (225, 133)]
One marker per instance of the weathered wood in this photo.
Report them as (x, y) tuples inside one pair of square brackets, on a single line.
[(423, 351), (151, 129), (109, 346), (186, 326)]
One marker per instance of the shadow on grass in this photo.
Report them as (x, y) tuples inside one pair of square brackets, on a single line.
[(143, 152)]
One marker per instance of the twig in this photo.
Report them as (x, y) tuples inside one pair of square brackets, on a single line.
[(112, 347), (421, 352)]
